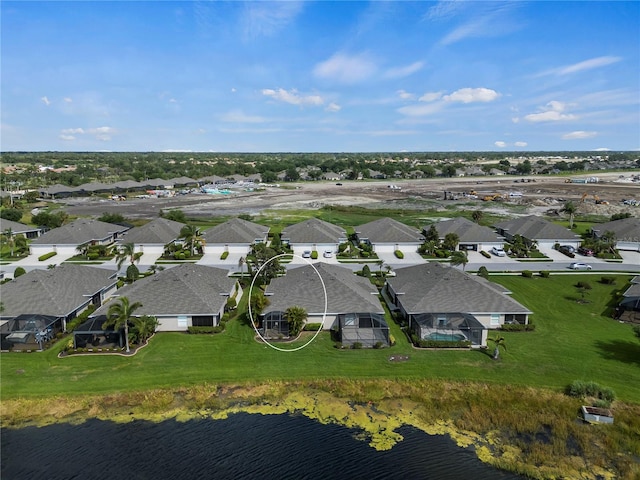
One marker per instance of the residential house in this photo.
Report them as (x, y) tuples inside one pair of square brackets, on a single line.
[(536, 229), (471, 235), (234, 236), (66, 239), (628, 309), (387, 235), (152, 237), (321, 288), (440, 302), (45, 300), (626, 231), (180, 297), (313, 234), (18, 228)]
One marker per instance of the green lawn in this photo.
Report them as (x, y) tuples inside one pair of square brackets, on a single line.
[(571, 341)]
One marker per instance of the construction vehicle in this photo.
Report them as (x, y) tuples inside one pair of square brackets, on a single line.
[(598, 201), (584, 196), (495, 197)]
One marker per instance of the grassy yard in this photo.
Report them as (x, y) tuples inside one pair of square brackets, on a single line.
[(572, 341)]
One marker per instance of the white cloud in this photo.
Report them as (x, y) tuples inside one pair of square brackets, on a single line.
[(345, 68), (67, 138), (421, 109), (500, 144), (602, 149), (268, 18), (587, 65), (551, 112), (485, 19), (521, 144), (73, 131), (68, 100), (578, 134), (404, 95), (238, 116), (431, 97), (333, 107), (293, 97), (400, 72), (100, 133), (445, 9), (45, 100), (470, 95)]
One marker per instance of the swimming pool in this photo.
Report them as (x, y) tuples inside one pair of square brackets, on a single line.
[(446, 337)]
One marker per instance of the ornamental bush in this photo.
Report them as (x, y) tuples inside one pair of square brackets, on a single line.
[(314, 255), (46, 256), (527, 273), (399, 254), (224, 255)]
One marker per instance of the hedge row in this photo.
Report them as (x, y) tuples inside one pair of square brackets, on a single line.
[(46, 256), (518, 327)]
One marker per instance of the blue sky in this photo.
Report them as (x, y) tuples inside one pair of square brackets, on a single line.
[(320, 76)]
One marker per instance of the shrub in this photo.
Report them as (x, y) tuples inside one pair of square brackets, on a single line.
[(224, 255), (365, 254), (200, 330), (441, 254), (13, 214), (312, 327), (392, 340), (46, 256), (483, 272), (18, 272), (527, 273), (366, 271), (442, 344), (580, 388), (378, 345), (398, 254), (93, 255), (518, 327), (231, 304), (608, 280), (583, 285), (314, 255), (545, 273), (356, 345), (485, 254)]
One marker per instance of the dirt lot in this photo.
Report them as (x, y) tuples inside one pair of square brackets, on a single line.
[(539, 195)]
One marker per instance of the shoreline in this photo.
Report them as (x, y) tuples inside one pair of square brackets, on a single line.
[(529, 431)]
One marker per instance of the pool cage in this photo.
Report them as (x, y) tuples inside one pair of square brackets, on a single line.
[(447, 327), (367, 329), (91, 334), (30, 331), (274, 325)]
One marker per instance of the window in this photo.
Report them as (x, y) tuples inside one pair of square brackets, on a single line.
[(495, 319), (182, 322), (202, 321)]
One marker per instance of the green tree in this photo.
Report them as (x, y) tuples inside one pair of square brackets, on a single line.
[(9, 239), (459, 258), (120, 314), (295, 316), (432, 234), (13, 214), (144, 327), (451, 241), (174, 214), (483, 272), (570, 208), (112, 218), (125, 252), (498, 342), (192, 238), (477, 215), (18, 272)]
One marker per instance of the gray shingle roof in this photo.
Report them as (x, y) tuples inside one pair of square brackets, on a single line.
[(59, 188), (58, 291), (79, 232), (16, 227), (346, 292), (187, 289), (625, 229), (632, 291), (466, 230), (313, 230), (388, 230), (235, 230), (434, 288), (533, 227), (157, 231)]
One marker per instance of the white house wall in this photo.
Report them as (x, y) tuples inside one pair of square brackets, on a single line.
[(391, 247), (632, 246)]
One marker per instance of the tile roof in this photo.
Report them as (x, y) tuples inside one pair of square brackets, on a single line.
[(346, 292), (79, 232), (16, 227), (533, 227), (432, 287), (313, 230), (235, 230), (466, 230), (58, 291), (187, 289), (625, 229), (388, 230), (157, 231)]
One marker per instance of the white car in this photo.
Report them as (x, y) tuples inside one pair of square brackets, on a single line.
[(498, 252), (580, 266), (306, 254), (327, 254)]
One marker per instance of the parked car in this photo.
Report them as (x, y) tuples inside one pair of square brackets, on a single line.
[(568, 250), (498, 252), (327, 254), (579, 266), (587, 252), (306, 254)]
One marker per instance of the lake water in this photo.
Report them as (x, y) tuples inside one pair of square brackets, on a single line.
[(241, 447)]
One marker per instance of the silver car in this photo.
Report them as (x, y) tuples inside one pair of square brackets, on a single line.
[(579, 266)]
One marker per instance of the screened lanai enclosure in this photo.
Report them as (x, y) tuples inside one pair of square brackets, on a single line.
[(447, 327), (368, 329), (274, 325), (90, 334), (30, 331)]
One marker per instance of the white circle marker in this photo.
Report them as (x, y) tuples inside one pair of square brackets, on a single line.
[(324, 289)]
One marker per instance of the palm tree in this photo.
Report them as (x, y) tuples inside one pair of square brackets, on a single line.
[(119, 315), (192, 237), (145, 326), (83, 250), (296, 316), (127, 251), (380, 264), (8, 239), (155, 268), (571, 209), (459, 258), (498, 342)]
